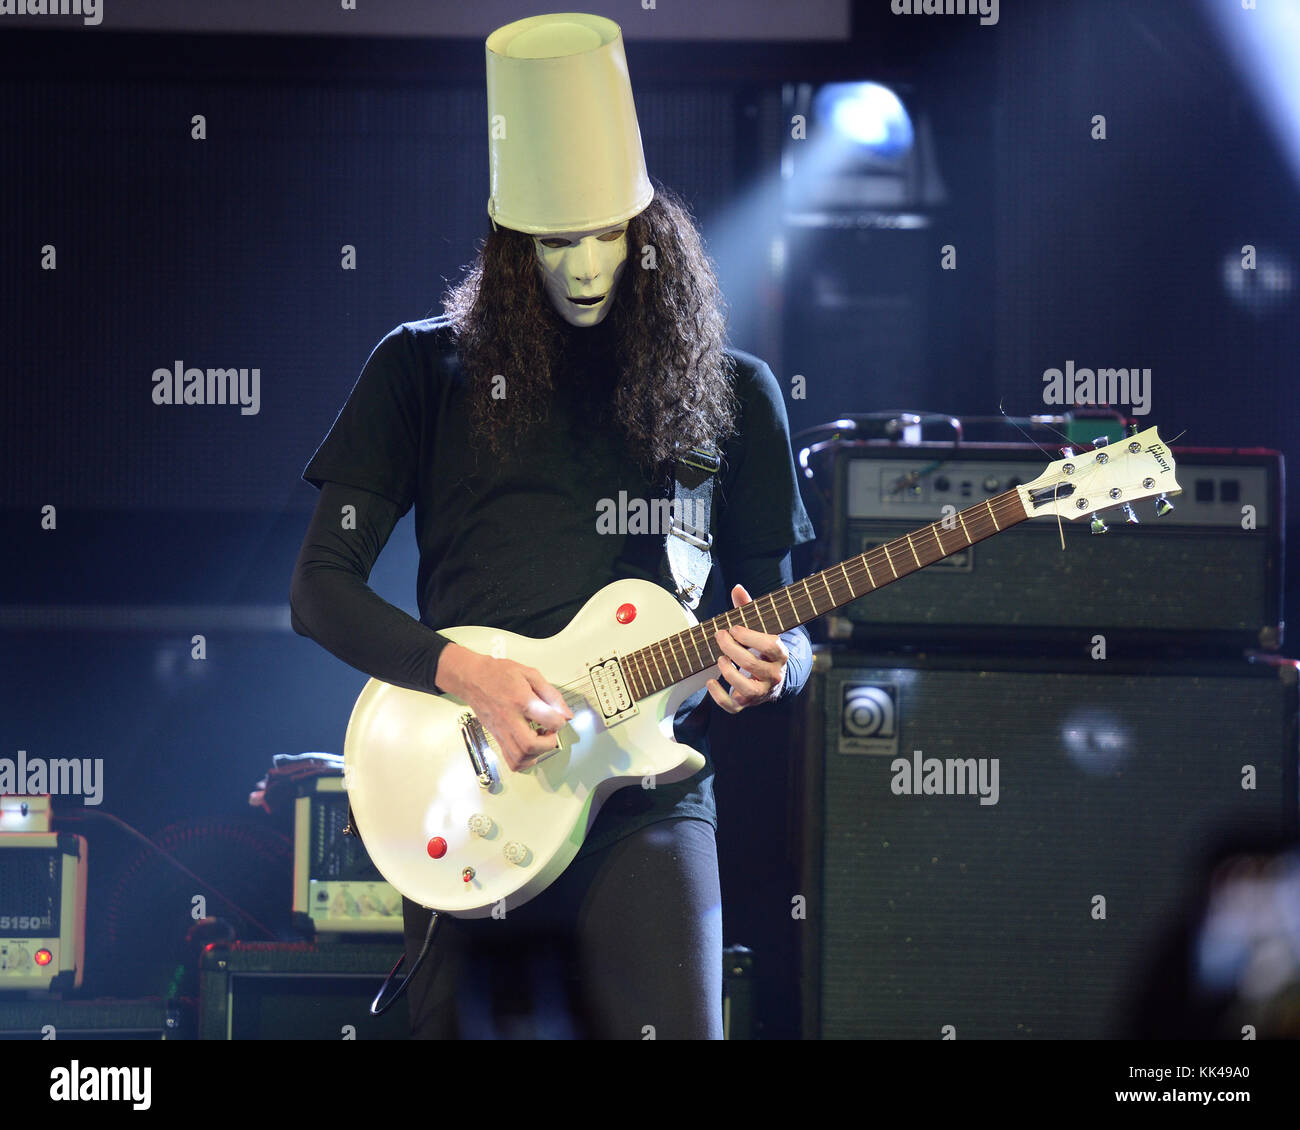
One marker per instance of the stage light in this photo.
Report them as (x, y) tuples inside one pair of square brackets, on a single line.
[(868, 115), (1262, 288), (1264, 43)]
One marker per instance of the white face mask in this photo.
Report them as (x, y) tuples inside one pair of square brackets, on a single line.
[(582, 264)]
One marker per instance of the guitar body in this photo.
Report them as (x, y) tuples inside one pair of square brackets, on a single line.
[(412, 781)]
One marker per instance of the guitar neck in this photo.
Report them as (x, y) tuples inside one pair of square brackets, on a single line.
[(670, 660)]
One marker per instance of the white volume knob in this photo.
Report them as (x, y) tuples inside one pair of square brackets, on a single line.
[(479, 824), (516, 852)]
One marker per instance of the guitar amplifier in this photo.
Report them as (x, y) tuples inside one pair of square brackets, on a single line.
[(145, 1019), (995, 844), (298, 991), (1208, 574), (42, 900), (336, 889)]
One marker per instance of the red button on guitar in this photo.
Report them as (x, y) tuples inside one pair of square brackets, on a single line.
[(437, 847), (626, 613)]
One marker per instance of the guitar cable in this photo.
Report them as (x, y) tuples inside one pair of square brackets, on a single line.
[(377, 1009)]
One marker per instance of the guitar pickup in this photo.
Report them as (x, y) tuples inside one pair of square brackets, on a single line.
[(613, 697)]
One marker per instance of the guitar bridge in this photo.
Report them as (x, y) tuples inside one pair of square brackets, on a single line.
[(613, 698), (476, 745)]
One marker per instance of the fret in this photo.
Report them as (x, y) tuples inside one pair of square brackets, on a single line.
[(828, 590), (668, 655), (759, 613), (789, 596), (913, 549), (680, 645), (869, 576), (634, 676), (683, 638), (890, 561), (993, 516), (812, 604), (847, 581), (934, 529), (659, 674), (702, 661), (964, 530), (726, 618)]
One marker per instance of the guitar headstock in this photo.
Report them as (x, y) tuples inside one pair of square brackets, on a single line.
[(1118, 474)]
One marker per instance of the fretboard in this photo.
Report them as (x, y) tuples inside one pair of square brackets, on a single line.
[(677, 657)]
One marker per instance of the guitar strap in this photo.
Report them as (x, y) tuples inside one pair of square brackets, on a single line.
[(688, 545), (680, 560)]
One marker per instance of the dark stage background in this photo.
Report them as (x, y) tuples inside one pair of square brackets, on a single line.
[(226, 252)]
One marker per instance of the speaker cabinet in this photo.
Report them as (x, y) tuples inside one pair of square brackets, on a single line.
[(295, 991), (991, 845)]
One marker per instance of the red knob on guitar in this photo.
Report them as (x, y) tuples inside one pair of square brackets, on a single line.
[(626, 613)]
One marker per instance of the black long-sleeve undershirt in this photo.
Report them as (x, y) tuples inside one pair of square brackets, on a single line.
[(332, 602)]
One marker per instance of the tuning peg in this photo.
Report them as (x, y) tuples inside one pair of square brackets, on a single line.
[(1067, 453), (1101, 441), (1163, 506), (1098, 526), (1130, 518)]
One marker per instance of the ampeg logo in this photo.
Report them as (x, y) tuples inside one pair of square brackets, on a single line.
[(869, 719)]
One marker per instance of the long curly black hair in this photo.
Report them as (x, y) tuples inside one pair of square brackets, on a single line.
[(668, 324)]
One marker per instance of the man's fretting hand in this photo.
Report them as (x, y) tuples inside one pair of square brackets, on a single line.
[(763, 655), (506, 696)]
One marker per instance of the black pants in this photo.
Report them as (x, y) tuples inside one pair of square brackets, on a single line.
[(626, 944)]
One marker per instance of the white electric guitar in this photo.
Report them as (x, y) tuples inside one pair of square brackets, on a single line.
[(452, 827)]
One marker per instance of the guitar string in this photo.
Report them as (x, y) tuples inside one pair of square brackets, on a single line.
[(1002, 506)]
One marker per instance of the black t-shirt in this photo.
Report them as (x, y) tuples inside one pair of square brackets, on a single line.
[(511, 542)]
